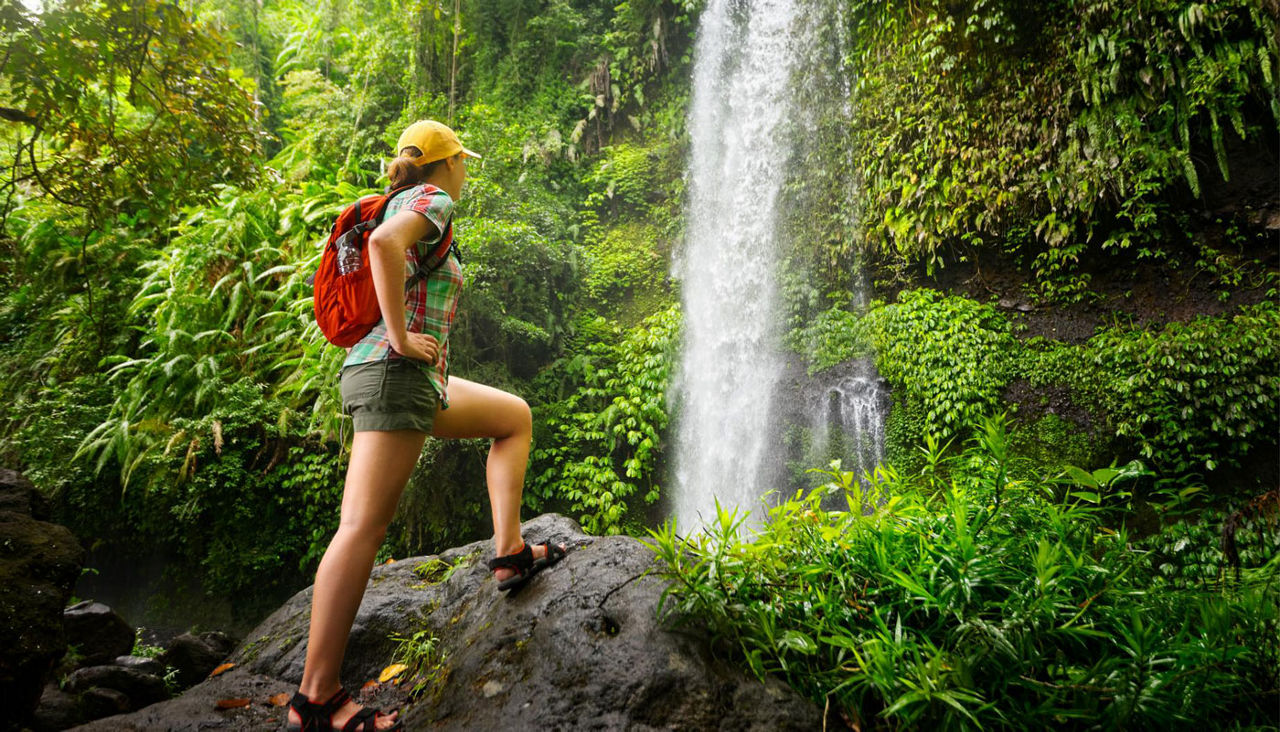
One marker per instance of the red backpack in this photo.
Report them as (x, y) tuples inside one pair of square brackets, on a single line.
[(346, 304)]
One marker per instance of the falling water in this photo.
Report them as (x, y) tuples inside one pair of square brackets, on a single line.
[(746, 53), (846, 421)]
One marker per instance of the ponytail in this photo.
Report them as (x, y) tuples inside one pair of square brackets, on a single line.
[(404, 171)]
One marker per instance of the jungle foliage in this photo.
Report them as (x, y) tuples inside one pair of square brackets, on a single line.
[(1057, 126), (176, 165), (960, 597), (1186, 397), (1061, 134), (176, 168)]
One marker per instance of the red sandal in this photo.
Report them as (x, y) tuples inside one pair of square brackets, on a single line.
[(319, 717)]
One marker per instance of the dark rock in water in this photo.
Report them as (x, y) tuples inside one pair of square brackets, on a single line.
[(579, 647), (141, 663), (99, 702), (142, 688), (98, 632), (58, 710), (194, 656), (39, 563)]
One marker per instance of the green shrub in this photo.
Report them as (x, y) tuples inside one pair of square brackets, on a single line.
[(446, 502), (1052, 443), (521, 280), (949, 355), (232, 473), (1186, 397), (982, 601), (1188, 552), (628, 272), (1193, 394), (603, 443)]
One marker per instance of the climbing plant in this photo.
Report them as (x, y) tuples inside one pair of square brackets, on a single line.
[(1055, 130)]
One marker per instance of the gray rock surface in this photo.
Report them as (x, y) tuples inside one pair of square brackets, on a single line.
[(39, 563), (101, 702), (97, 631), (578, 648), (197, 709)]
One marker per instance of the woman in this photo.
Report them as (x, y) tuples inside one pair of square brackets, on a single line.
[(397, 388)]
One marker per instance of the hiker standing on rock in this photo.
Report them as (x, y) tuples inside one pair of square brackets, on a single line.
[(397, 388)]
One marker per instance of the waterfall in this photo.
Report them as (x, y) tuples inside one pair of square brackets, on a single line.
[(846, 421), (742, 94), (770, 106)]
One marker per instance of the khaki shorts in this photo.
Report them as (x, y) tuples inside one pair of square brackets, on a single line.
[(389, 395)]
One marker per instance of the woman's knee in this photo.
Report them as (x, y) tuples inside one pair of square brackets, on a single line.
[(362, 530), (522, 416)]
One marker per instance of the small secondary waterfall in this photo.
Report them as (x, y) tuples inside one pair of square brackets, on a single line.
[(742, 94), (847, 421)]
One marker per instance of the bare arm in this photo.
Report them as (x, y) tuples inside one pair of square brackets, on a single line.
[(387, 246)]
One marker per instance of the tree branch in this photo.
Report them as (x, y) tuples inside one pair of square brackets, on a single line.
[(35, 169), (17, 115)]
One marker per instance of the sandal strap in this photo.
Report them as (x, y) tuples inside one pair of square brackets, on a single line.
[(339, 698), (521, 561), (314, 714), (364, 720), (553, 553)]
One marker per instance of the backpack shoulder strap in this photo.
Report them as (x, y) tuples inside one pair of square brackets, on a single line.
[(436, 258), (382, 205)]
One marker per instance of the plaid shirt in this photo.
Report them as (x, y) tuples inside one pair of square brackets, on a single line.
[(431, 303)]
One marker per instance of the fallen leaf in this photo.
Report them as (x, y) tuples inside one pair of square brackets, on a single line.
[(370, 684), (280, 699), (392, 671), (220, 669), (232, 703)]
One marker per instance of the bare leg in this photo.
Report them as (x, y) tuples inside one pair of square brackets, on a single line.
[(381, 463), (476, 410)]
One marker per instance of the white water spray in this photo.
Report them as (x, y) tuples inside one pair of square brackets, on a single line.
[(742, 93), (847, 422)]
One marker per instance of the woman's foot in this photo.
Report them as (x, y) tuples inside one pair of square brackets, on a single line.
[(337, 711), (511, 565)]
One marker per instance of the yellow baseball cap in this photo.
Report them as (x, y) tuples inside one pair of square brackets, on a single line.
[(436, 141)]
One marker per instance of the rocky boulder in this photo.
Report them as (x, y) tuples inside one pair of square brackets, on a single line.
[(39, 563), (139, 687), (97, 631), (194, 656), (58, 710), (146, 665), (579, 647)]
